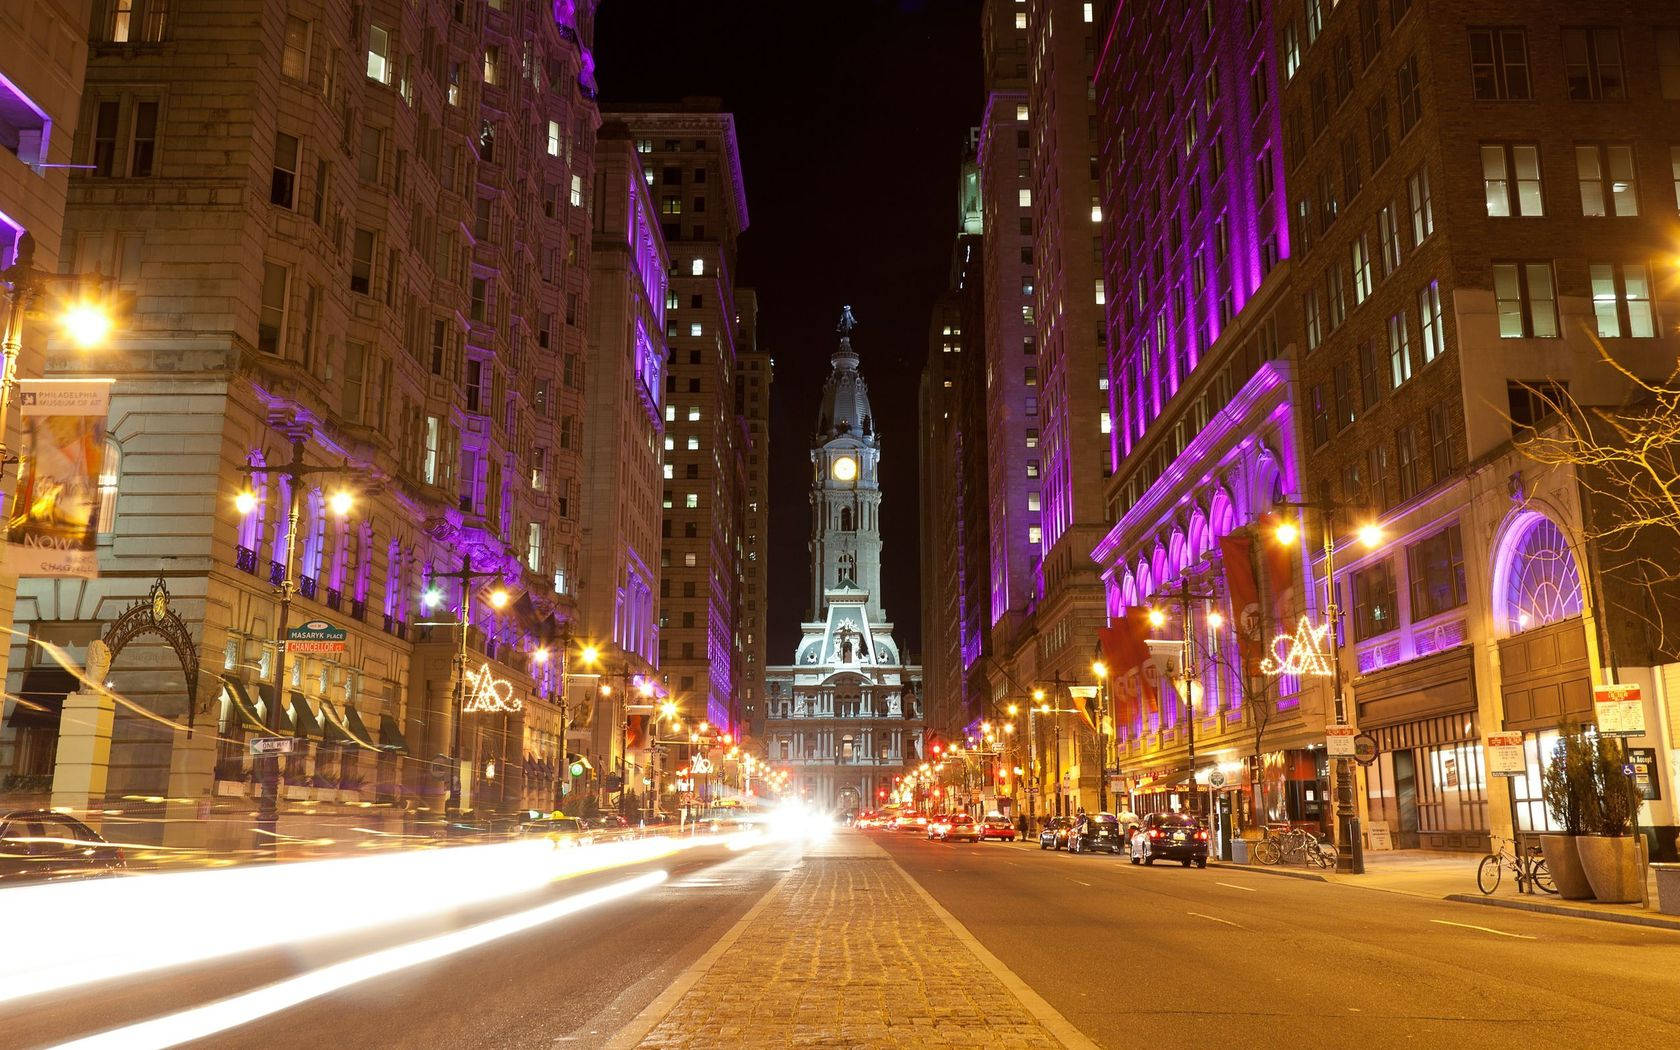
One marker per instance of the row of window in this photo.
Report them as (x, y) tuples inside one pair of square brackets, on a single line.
[(1593, 64), (1606, 175), (1434, 572)]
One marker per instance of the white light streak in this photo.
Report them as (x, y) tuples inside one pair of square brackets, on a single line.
[(200, 1022)]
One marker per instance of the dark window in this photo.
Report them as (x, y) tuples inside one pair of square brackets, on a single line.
[(1373, 374), (1320, 417), (1529, 403), (104, 139), (1435, 566), (144, 153), (1370, 30), (1441, 457), (1374, 599), (1592, 60), (1410, 91), (1499, 64), (1406, 462), (1376, 127)]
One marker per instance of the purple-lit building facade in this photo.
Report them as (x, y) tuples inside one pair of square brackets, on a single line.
[(693, 167), (378, 247), (1340, 245), (623, 435), (1202, 387)]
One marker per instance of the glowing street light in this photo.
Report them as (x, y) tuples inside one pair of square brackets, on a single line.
[(1157, 618), (590, 655), (245, 502), (539, 655), (1215, 619), (1370, 535), (1099, 669), (86, 324), (1286, 533), (499, 599), (340, 502)]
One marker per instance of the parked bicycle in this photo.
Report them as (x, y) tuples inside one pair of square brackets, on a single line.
[(1529, 867), (1283, 843)]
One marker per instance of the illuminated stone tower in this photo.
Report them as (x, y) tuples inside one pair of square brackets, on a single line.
[(845, 485)]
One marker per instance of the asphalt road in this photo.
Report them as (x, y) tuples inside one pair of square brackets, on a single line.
[(1175, 957), (573, 981)]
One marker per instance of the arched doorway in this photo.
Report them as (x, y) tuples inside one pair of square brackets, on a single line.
[(143, 730)]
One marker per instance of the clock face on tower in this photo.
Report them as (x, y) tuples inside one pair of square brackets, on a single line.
[(845, 469)]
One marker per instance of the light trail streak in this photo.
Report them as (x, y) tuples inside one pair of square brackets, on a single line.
[(200, 1022), (88, 931)]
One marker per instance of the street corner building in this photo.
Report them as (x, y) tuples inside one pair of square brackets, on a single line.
[(845, 717), (347, 252)]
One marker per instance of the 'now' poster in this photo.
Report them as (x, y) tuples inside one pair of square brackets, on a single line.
[(54, 517)]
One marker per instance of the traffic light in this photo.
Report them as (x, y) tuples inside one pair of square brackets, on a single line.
[(577, 764)]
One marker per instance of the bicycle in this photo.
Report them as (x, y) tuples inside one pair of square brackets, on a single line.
[(1529, 868), (1295, 845)]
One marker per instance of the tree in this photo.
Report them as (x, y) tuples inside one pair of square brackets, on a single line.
[(1626, 460)]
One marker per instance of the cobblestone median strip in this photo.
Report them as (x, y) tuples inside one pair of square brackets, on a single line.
[(847, 951)]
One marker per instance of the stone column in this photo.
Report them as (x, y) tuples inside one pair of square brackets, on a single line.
[(84, 754)]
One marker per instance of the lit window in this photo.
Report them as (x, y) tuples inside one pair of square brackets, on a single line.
[(694, 328), (1025, 197), (670, 443), (691, 501), (1034, 534), (690, 560), (694, 414), (693, 444), (1089, 15), (533, 548), (577, 191), (1020, 20), (1607, 180), (1107, 423), (1096, 211), (1102, 296), (698, 268), (554, 138), (670, 472), (110, 467), (378, 55), (670, 413), (1622, 300), (1021, 111), (1032, 501), (492, 64)]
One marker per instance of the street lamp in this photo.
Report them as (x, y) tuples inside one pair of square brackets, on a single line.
[(295, 472), (430, 598), (85, 323), (1350, 854)]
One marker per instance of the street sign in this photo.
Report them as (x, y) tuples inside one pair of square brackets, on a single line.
[(1216, 779), (272, 745), (316, 638), (1364, 749), (1338, 741), (1619, 710), (1505, 756)]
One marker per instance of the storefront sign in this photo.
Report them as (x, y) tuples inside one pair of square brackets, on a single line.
[(1338, 741), (1364, 749), (1619, 710), (1644, 763), (1382, 837), (701, 764), (53, 521), (1504, 755), (315, 638), (1304, 653), (1216, 779), (1449, 771)]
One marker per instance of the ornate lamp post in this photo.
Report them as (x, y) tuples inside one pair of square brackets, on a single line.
[(295, 471), (431, 598), (1350, 856)]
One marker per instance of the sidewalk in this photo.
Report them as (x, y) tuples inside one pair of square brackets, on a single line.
[(1452, 876), (846, 951)]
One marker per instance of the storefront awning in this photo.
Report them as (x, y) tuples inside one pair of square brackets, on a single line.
[(40, 702), (332, 725), (390, 736), (356, 728), (300, 719), (245, 714)]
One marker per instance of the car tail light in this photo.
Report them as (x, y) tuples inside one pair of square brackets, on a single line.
[(1155, 833), (1202, 835)]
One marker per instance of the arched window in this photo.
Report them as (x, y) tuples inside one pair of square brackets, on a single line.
[(364, 560), (314, 525), (847, 572), (251, 526), (1536, 581), (846, 523), (110, 470)]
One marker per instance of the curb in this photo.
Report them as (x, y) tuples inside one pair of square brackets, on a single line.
[(1573, 913), (1305, 876)]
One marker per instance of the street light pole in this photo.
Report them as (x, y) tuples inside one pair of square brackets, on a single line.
[(466, 577)]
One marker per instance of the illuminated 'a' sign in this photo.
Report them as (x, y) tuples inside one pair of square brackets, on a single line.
[(1302, 653), (486, 692)]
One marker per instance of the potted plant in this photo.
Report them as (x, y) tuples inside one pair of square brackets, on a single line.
[(1609, 853), (1567, 786)]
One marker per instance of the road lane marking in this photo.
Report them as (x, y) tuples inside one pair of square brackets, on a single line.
[(200, 1022), (1234, 886), (1216, 918), (1087, 885), (1485, 929)]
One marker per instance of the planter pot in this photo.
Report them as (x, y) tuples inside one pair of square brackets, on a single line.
[(1612, 866), (1563, 860)]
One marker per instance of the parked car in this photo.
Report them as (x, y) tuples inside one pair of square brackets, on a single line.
[(1054, 833), (997, 826), (1170, 836), (1095, 833), (38, 845), (958, 826)]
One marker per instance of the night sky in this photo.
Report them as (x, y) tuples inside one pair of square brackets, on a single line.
[(851, 130)]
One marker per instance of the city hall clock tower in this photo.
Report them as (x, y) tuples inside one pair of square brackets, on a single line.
[(845, 484)]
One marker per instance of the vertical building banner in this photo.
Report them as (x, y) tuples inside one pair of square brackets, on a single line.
[(1237, 551), (54, 517), (1134, 681)]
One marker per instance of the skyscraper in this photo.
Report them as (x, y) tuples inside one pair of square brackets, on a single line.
[(754, 373), (691, 161)]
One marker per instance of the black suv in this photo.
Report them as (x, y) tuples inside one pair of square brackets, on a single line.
[(1094, 832), (1171, 836), (1054, 834)]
